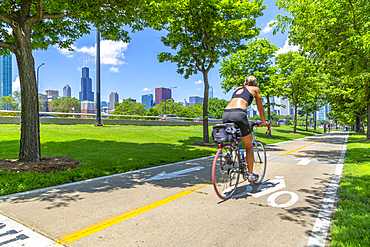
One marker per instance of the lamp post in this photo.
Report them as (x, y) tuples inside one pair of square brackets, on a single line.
[(165, 102), (37, 76), (98, 103)]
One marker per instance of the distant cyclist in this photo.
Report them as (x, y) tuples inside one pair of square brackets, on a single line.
[(236, 112)]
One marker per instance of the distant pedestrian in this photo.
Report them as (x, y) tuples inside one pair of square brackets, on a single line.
[(329, 128), (324, 128)]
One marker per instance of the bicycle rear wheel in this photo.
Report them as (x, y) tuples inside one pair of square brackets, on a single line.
[(225, 171), (260, 161)]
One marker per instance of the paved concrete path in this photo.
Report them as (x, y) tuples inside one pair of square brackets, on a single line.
[(175, 205)]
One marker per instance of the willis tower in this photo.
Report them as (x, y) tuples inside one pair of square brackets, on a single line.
[(86, 86)]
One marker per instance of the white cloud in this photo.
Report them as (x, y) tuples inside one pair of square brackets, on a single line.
[(67, 52), (111, 52), (286, 48), (267, 28), (146, 89), (16, 86), (198, 89), (198, 82), (114, 69)]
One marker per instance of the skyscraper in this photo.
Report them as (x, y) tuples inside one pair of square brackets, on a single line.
[(113, 97), (147, 100), (210, 92), (193, 100), (86, 86), (5, 75), (162, 94), (66, 91), (50, 96)]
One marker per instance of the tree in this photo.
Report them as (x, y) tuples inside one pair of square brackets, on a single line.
[(67, 104), (202, 31), (255, 59), (36, 24), (297, 80), (216, 107), (169, 107), (192, 111), (346, 106), (128, 107), (8, 103), (336, 34)]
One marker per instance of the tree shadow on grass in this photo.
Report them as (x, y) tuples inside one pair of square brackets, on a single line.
[(104, 158)]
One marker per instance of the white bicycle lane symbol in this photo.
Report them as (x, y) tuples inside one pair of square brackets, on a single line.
[(269, 187)]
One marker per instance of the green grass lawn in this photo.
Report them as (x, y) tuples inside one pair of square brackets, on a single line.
[(112, 149), (351, 226)]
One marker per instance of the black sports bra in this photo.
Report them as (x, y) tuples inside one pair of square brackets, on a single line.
[(246, 95)]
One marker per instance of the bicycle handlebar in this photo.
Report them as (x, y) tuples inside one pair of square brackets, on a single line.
[(258, 125)]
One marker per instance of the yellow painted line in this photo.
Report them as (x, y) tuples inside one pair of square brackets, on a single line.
[(78, 234), (302, 147), (294, 150)]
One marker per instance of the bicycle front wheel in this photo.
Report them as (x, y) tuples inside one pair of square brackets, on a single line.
[(260, 161), (225, 171)]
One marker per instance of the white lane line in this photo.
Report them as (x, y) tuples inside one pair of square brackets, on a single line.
[(14, 234), (321, 227)]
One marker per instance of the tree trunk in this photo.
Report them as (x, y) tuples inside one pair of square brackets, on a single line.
[(368, 111), (205, 108), (295, 116), (306, 121), (368, 122), (30, 128), (268, 114), (361, 126), (314, 120)]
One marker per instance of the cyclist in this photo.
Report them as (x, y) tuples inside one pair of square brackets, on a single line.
[(236, 112)]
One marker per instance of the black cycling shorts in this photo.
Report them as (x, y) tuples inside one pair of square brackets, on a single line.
[(239, 117)]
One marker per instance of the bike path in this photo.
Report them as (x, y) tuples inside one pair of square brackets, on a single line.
[(175, 205)]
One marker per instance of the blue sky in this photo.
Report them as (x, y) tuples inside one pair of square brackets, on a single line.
[(132, 69)]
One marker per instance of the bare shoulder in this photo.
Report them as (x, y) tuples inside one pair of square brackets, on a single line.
[(255, 91)]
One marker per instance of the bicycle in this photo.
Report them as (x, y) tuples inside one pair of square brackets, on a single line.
[(229, 162)]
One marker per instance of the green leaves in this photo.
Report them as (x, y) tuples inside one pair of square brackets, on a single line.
[(128, 107), (67, 104), (203, 31), (256, 59)]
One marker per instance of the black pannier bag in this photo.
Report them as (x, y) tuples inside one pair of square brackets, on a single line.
[(225, 133)]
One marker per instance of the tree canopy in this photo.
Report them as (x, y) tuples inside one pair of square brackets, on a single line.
[(27, 25), (67, 104), (203, 31), (336, 34)]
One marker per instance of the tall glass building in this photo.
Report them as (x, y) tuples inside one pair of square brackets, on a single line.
[(210, 92), (147, 100), (162, 94), (86, 86), (5, 75), (67, 91), (113, 97), (193, 100)]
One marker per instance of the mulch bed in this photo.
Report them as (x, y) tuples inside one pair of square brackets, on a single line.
[(46, 165)]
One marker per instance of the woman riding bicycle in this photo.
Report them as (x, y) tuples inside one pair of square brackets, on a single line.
[(236, 112)]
